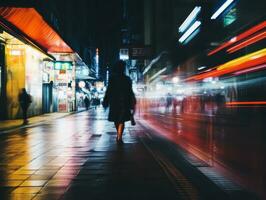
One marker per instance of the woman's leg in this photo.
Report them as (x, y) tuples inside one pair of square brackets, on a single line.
[(116, 126), (119, 129)]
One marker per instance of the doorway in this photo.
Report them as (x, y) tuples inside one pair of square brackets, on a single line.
[(47, 98)]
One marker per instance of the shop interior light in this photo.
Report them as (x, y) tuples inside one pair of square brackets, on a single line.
[(221, 9), (189, 31), (82, 84), (189, 19), (15, 52)]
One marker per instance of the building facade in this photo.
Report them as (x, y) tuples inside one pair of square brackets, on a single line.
[(39, 61)]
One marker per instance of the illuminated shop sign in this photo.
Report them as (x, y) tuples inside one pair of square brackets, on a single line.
[(123, 54), (63, 66), (230, 17)]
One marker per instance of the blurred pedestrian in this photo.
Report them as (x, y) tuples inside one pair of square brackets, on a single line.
[(87, 102), (120, 98), (24, 101), (169, 100)]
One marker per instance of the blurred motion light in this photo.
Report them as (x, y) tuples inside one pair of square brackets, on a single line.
[(239, 37), (247, 42), (159, 86), (158, 73), (201, 68), (241, 63), (189, 31), (189, 19), (221, 9), (243, 103), (15, 52), (175, 80), (260, 67)]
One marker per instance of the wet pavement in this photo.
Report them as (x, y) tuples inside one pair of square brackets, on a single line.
[(9, 125), (233, 145), (77, 157)]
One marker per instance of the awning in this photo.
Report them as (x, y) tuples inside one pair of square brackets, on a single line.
[(32, 24)]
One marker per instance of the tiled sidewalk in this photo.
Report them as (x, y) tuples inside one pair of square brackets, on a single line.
[(12, 124), (76, 157)]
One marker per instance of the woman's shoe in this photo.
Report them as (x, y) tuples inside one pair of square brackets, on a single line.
[(119, 140)]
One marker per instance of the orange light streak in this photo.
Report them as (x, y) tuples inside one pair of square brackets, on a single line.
[(248, 42), (244, 62), (239, 37), (252, 69), (252, 57), (246, 103)]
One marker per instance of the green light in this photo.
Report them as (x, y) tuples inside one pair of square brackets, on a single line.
[(66, 66), (63, 66), (57, 66), (230, 17)]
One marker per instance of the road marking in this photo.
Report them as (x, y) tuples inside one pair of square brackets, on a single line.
[(184, 188)]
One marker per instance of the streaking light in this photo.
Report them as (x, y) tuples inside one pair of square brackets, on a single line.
[(241, 36), (250, 57), (189, 31), (246, 103), (201, 68), (157, 74), (191, 36), (189, 19), (247, 42), (221, 9), (253, 69), (244, 62)]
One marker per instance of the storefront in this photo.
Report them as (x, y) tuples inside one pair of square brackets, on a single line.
[(49, 97), (39, 61), (23, 69), (65, 83), (2, 82)]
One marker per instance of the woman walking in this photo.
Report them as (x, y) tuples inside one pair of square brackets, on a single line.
[(120, 98)]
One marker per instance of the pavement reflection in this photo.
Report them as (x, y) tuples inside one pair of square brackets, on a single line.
[(76, 157)]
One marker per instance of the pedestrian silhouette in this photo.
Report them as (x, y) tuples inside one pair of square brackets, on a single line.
[(87, 102), (169, 100), (24, 101), (120, 99)]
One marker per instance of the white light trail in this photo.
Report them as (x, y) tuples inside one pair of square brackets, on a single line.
[(157, 74), (189, 31), (221, 9), (189, 19)]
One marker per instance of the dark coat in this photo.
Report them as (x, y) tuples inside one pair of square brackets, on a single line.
[(24, 100), (120, 98)]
